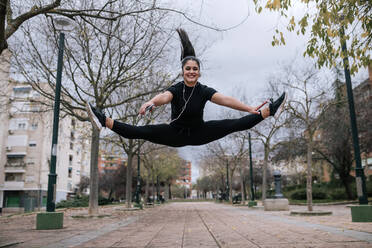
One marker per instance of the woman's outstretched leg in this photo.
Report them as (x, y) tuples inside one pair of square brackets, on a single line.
[(163, 134), (217, 129), (214, 130)]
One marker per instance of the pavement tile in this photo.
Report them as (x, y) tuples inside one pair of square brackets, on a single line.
[(192, 225)]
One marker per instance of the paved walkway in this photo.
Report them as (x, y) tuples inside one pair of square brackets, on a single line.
[(191, 225)]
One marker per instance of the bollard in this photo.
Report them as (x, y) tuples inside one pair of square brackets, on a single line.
[(278, 203), (278, 184)]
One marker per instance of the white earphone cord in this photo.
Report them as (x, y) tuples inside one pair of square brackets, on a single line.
[(184, 106)]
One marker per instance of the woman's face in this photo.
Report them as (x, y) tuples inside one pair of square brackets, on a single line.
[(191, 72)]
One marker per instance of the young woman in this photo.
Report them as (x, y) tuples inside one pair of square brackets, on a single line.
[(188, 99)]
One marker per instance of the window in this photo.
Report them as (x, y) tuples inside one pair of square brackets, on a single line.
[(70, 172), (72, 135), (17, 140), (15, 161), (70, 159), (34, 108), (32, 144), (21, 126), (34, 126), (21, 91), (18, 124), (13, 177), (35, 94), (30, 179), (69, 186), (18, 107), (71, 145)]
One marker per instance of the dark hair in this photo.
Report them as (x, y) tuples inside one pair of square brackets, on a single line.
[(187, 52)]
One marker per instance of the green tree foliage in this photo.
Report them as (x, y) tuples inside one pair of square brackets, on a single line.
[(324, 20)]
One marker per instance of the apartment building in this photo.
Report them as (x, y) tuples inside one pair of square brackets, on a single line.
[(185, 179), (25, 142), (110, 159)]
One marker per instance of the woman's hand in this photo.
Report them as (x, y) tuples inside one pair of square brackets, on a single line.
[(158, 100), (143, 109), (260, 106), (254, 110)]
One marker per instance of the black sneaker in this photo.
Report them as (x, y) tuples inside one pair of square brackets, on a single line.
[(277, 105), (96, 116)]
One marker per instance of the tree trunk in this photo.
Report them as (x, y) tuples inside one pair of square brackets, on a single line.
[(147, 190), (309, 191), (264, 173), (153, 190), (157, 188), (345, 179), (242, 185), (110, 194), (128, 188), (170, 191), (230, 188), (166, 191), (3, 43), (93, 185)]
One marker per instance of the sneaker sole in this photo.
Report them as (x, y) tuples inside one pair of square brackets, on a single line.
[(93, 119), (281, 107)]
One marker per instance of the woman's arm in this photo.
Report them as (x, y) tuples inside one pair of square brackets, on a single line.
[(158, 100), (233, 103)]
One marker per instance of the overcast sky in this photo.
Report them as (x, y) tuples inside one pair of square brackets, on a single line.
[(242, 57)]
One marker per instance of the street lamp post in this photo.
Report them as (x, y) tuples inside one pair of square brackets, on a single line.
[(52, 177), (251, 166), (51, 219), (227, 179), (138, 188), (359, 173), (157, 188)]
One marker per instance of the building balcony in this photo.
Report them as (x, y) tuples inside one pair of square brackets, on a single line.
[(16, 151), (20, 165), (14, 185), (10, 169)]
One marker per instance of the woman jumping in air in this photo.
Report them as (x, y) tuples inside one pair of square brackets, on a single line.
[(188, 99)]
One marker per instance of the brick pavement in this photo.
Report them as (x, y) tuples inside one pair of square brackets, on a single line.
[(191, 225)]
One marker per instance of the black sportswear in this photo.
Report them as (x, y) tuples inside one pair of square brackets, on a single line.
[(189, 128), (192, 116)]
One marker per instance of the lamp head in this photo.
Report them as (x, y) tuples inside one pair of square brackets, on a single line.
[(63, 23)]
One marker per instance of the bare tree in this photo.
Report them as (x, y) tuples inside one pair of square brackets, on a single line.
[(216, 169), (307, 98), (162, 163), (15, 13), (9, 23), (268, 133), (231, 152), (109, 63)]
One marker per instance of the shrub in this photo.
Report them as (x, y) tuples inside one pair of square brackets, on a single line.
[(300, 194), (82, 201), (340, 192), (293, 187), (369, 187)]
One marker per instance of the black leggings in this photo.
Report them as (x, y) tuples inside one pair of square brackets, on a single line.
[(171, 135)]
